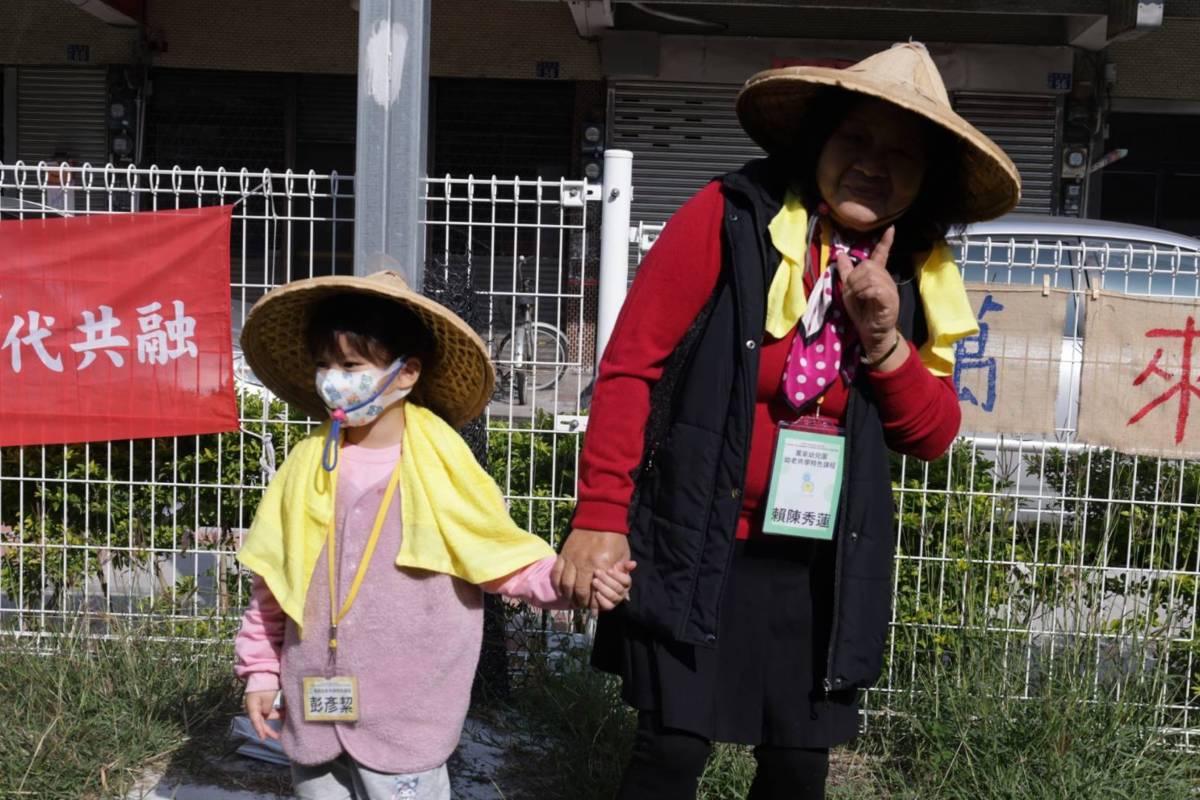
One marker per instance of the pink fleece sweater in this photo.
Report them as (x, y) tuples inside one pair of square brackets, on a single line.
[(411, 639)]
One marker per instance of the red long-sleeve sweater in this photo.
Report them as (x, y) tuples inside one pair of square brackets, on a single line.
[(919, 411)]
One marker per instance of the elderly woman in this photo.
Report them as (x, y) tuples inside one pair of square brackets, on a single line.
[(794, 322)]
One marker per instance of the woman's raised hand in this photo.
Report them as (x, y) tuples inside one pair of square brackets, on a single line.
[(872, 300)]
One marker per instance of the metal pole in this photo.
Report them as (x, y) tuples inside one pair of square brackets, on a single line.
[(614, 243), (393, 96)]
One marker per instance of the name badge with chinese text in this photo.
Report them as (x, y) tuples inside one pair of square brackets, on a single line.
[(806, 480), (331, 699)]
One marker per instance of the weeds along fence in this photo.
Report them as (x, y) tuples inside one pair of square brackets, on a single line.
[(146, 531)]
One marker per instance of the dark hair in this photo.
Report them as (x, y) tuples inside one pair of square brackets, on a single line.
[(938, 208), (381, 330)]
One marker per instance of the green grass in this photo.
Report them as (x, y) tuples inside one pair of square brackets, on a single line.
[(578, 731), (978, 725), (574, 728), (957, 732), (83, 718)]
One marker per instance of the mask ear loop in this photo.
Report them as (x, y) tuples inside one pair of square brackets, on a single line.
[(329, 455)]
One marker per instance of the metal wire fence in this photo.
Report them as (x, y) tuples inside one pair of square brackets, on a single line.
[(1046, 543), (147, 530), (1037, 542)]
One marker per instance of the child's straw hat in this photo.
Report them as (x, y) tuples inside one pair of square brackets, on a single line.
[(456, 379)]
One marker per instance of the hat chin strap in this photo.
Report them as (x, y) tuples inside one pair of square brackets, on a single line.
[(879, 224)]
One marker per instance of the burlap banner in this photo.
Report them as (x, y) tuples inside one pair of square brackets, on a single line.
[(1139, 377), (1007, 375)]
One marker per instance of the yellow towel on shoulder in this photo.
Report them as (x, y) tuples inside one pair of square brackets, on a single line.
[(786, 299), (455, 519), (948, 314)]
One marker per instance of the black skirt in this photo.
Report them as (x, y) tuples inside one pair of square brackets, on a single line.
[(763, 682)]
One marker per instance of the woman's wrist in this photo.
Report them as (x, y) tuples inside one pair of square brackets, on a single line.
[(887, 354)]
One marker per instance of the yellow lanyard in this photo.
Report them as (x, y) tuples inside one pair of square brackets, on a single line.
[(331, 552)]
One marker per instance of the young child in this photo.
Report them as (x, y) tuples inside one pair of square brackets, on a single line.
[(373, 541)]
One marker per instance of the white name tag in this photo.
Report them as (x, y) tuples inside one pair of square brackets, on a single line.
[(331, 699), (806, 481)]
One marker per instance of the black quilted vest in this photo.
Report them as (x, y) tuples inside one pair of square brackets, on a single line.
[(688, 494)]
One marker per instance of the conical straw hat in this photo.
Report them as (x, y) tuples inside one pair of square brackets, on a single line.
[(456, 379), (773, 108)]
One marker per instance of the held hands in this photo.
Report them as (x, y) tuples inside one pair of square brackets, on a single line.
[(585, 555), (610, 587), (873, 302), (260, 707)]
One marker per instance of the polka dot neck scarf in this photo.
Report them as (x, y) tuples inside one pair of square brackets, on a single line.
[(826, 343)]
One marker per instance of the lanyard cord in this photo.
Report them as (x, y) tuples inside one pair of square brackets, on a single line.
[(337, 615)]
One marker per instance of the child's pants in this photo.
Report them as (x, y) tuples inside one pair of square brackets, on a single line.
[(345, 779)]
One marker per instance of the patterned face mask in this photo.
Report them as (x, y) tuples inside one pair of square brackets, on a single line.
[(356, 398)]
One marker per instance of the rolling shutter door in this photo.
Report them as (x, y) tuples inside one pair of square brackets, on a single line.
[(681, 136), (62, 110), (1028, 128)]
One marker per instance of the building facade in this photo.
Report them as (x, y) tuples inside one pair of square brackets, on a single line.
[(271, 84)]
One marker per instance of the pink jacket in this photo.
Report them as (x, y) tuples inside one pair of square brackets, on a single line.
[(412, 639)]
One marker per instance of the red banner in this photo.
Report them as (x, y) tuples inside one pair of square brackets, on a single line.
[(115, 326)]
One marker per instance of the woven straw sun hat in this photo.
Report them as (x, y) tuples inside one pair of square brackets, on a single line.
[(773, 107), (456, 378)]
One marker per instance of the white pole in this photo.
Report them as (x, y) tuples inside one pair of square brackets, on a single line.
[(614, 244), (393, 86)]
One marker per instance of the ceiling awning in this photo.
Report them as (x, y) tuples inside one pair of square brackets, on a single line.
[(1088, 24), (120, 13)]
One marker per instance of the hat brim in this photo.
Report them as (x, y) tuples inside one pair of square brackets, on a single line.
[(456, 379), (773, 108)]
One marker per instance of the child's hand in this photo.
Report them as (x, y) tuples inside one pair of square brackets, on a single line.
[(610, 587), (260, 707)]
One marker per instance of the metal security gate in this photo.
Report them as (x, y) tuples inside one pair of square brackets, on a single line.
[(211, 117), (502, 127), (682, 136), (61, 114), (1028, 127)]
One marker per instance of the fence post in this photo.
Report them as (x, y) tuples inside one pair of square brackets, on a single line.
[(614, 244)]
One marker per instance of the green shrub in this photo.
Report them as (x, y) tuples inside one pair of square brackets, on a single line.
[(535, 466), (947, 577), (1130, 513)]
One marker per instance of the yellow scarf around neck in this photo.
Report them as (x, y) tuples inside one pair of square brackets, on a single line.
[(948, 313), (455, 519)]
